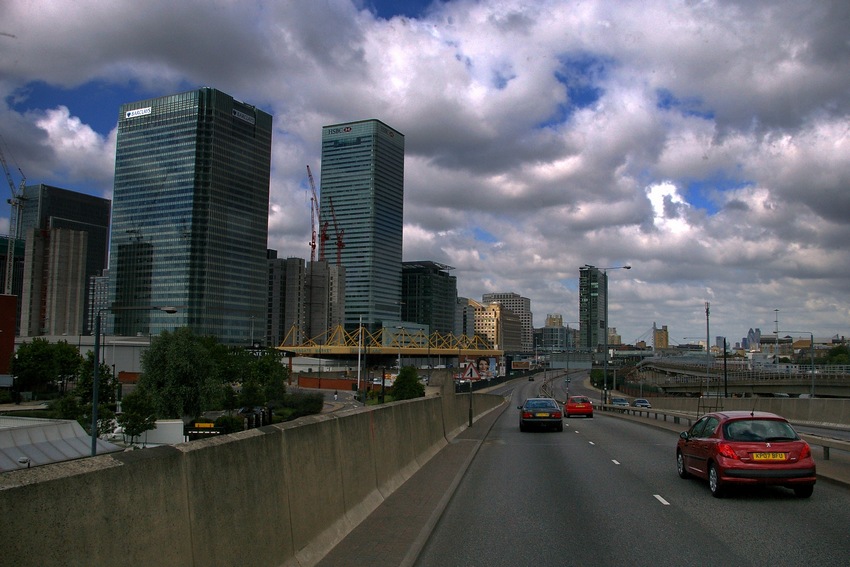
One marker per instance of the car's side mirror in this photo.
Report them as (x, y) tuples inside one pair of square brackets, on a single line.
[(519, 407), (684, 435)]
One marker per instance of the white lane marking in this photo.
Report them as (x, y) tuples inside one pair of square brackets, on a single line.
[(658, 497), (615, 461), (591, 442)]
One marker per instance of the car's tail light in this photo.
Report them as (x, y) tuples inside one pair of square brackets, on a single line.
[(526, 414), (726, 450), (558, 415), (806, 452)]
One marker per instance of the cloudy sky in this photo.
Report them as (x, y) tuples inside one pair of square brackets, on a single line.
[(704, 143)]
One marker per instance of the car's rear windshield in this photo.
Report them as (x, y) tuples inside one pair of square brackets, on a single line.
[(759, 430), (540, 404), (580, 401)]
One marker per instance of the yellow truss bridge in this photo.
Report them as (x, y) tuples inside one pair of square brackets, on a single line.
[(338, 341)]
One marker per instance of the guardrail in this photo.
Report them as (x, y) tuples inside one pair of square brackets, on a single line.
[(825, 443)]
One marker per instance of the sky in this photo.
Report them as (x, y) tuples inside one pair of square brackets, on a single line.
[(703, 143)]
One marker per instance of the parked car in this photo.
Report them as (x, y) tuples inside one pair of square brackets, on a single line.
[(578, 405), (540, 413), (641, 403), (746, 448), (619, 402)]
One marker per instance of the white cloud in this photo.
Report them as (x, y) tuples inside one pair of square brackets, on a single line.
[(705, 143)]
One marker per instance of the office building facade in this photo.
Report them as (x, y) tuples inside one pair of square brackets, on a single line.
[(45, 208), (521, 307), (593, 306), (190, 215), (362, 200), (429, 295)]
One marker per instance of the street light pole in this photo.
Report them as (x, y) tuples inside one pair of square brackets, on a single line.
[(96, 370)]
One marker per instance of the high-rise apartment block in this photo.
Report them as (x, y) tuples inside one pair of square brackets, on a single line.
[(593, 306), (190, 215), (362, 187), (521, 307), (499, 326), (429, 295)]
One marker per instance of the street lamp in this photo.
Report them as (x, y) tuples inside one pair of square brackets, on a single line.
[(398, 337), (96, 371), (811, 350), (605, 329)]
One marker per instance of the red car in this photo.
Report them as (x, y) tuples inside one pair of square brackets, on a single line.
[(745, 448), (578, 405)]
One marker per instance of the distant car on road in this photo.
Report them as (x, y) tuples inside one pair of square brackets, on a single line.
[(746, 448), (578, 405), (620, 402), (540, 413), (641, 403)]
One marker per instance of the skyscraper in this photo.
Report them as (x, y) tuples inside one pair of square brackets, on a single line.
[(593, 306), (45, 209), (362, 199), (190, 215)]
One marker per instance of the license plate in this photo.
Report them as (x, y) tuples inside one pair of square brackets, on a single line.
[(768, 456), (541, 414), (579, 405)]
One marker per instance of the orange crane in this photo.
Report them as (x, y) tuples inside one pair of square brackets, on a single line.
[(16, 203), (339, 233)]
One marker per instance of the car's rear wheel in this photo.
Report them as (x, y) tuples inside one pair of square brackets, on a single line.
[(522, 427), (714, 482), (804, 491), (591, 415), (560, 426), (680, 465)]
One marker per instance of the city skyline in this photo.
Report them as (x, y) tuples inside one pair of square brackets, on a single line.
[(682, 139)]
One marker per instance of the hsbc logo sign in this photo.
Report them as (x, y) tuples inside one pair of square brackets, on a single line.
[(344, 130)]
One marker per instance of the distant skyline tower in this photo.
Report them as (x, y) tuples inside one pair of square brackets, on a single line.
[(362, 180), (190, 215), (593, 302)]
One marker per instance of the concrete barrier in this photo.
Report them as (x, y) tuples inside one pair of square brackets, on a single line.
[(812, 411), (277, 495)]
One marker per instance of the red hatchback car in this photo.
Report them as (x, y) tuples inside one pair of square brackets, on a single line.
[(578, 405), (745, 448)]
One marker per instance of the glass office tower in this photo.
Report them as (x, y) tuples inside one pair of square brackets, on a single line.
[(362, 180), (190, 216), (593, 306)]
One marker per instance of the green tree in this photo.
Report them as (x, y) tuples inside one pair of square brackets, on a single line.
[(41, 364), (107, 383), (838, 355), (407, 385), (138, 415), (181, 375)]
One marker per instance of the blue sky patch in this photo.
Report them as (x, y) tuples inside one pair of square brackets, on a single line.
[(666, 100)]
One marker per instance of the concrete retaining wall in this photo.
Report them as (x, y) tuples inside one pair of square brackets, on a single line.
[(278, 495), (817, 410)]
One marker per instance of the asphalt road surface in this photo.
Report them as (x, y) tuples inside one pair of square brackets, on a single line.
[(605, 492)]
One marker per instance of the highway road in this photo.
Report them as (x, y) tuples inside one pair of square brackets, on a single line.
[(605, 492)]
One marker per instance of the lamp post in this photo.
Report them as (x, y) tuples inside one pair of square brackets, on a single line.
[(398, 337), (811, 351), (605, 330), (96, 371)]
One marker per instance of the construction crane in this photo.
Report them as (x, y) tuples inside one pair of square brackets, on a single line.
[(314, 214), (339, 233), (16, 203)]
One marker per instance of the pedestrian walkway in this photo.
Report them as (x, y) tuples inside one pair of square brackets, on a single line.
[(395, 533)]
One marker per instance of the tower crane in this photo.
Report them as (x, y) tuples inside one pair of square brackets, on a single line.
[(314, 214), (16, 203), (339, 233)]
